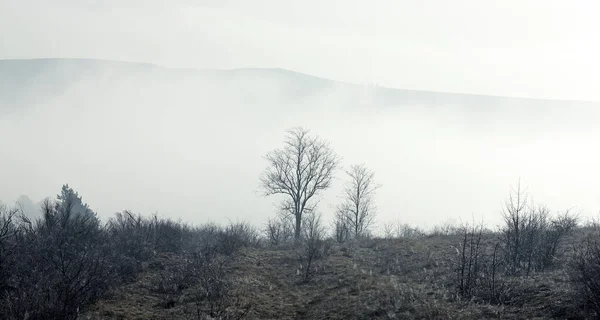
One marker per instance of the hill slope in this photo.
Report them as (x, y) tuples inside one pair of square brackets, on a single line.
[(19, 77)]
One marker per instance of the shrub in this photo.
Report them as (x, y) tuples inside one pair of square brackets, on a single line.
[(133, 240), (172, 279), (8, 252), (136, 239), (280, 230), (530, 237), (585, 270), (64, 262), (237, 235), (446, 229), (477, 267), (313, 246), (402, 230), (341, 228), (212, 293)]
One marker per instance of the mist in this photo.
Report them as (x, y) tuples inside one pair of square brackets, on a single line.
[(189, 144)]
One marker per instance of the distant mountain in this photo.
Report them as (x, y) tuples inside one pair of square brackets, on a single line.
[(32, 80)]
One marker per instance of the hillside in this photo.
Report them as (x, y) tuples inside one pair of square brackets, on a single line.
[(376, 279), (18, 79), (137, 267)]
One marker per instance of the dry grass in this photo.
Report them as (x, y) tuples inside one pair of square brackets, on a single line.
[(374, 279)]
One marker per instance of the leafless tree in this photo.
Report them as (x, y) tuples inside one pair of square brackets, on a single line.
[(314, 246), (341, 227), (358, 206), (299, 170), (514, 214), (530, 235)]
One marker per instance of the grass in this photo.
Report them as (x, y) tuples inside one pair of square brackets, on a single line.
[(371, 279)]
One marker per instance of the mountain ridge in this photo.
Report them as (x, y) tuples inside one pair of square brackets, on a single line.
[(250, 71)]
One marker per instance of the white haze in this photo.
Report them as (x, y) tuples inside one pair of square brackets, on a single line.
[(524, 48), (189, 144)]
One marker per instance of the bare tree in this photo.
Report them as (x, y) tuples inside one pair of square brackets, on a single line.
[(514, 214), (358, 205), (314, 247), (300, 170), (530, 235)]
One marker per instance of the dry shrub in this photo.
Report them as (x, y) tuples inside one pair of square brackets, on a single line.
[(137, 239), (63, 262), (172, 279), (341, 228), (395, 301), (478, 267), (313, 247), (585, 271), (530, 236), (398, 229), (237, 235), (280, 230), (8, 244), (447, 228)]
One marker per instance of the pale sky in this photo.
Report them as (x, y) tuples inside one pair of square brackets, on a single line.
[(542, 48), (157, 142)]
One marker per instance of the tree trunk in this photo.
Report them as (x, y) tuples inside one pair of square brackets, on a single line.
[(298, 226)]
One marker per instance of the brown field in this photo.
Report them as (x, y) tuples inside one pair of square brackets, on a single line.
[(370, 279)]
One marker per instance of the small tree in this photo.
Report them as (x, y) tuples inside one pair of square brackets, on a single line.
[(69, 201), (514, 214), (358, 206), (299, 171), (314, 247)]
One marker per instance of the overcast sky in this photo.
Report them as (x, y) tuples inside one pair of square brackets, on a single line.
[(537, 48)]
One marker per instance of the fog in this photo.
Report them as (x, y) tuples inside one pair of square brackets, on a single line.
[(523, 48), (190, 144)]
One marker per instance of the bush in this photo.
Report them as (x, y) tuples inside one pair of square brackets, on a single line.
[(8, 252), (54, 267), (402, 230), (212, 293), (237, 235), (63, 263), (530, 237), (446, 229), (477, 267), (341, 228), (137, 239), (280, 230), (313, 246), (172, 279), (585, 270)]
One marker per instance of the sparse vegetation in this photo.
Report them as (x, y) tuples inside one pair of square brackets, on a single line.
[(530, 236), (585, 270), (313, 247), (280, 230), (61, 263), (68, 264)]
